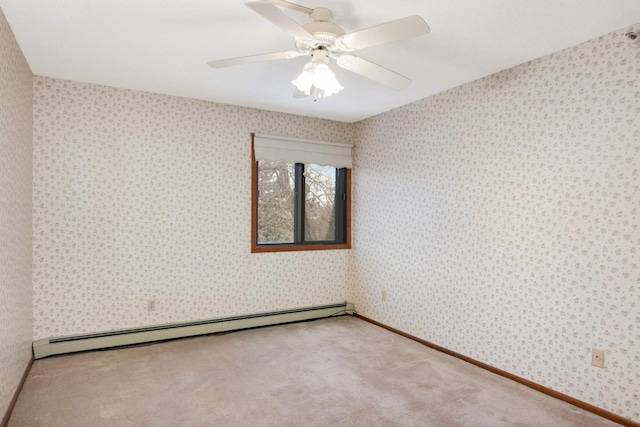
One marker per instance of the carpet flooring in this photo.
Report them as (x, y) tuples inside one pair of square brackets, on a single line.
[(340, 371)]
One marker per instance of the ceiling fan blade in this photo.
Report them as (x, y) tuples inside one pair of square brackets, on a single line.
[(282, 20), (372, 71), (290, 5), (221, 63), (404, 28)]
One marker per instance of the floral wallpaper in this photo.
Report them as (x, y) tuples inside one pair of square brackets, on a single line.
[(500, 220), (142, 197), (16, 319)]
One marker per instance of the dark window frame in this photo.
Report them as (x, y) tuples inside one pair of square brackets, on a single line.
[(343, 209)]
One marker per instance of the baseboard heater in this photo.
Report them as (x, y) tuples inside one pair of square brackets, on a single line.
[(61, 345)]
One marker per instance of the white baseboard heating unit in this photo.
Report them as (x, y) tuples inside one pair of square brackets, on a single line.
[(61, 345)]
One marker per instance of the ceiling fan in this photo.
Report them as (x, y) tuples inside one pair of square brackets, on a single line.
[(322, 40)]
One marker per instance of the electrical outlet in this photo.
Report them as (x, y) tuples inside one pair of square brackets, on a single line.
[(151, 305), (384, 295), (597, 357)]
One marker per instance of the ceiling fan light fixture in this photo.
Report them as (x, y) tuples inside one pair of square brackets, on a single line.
[(304, 81), (331, 86), (323, 77), (318, 75)]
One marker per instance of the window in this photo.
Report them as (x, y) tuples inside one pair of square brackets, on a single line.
[(298, 205)]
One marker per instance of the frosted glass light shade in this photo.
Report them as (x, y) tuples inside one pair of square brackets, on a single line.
[(304, 81), (317, 75)]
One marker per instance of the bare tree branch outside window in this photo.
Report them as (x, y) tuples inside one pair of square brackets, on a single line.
[(320, 202), (276, 201)]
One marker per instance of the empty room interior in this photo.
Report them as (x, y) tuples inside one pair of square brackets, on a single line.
[(483, 166)]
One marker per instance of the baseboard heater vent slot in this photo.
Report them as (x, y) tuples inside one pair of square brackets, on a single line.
[(61, 345)]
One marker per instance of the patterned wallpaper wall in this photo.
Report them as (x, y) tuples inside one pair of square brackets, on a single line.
[(501, 219), (140, 196), (16, 111)]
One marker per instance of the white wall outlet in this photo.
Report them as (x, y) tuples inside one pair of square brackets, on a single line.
[(151, 305), (384, 295), (597, 357)]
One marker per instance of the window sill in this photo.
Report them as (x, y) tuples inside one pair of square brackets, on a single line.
[(297, 248)]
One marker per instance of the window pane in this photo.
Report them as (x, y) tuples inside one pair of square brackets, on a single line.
[(275, 202), (320, 202)]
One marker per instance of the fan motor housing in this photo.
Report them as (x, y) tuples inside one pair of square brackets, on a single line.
[(321, 14), (322, 27)]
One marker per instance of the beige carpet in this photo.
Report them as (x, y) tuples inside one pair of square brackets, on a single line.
[(332, 372)]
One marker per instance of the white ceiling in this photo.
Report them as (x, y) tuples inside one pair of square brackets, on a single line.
[(163, 46)]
